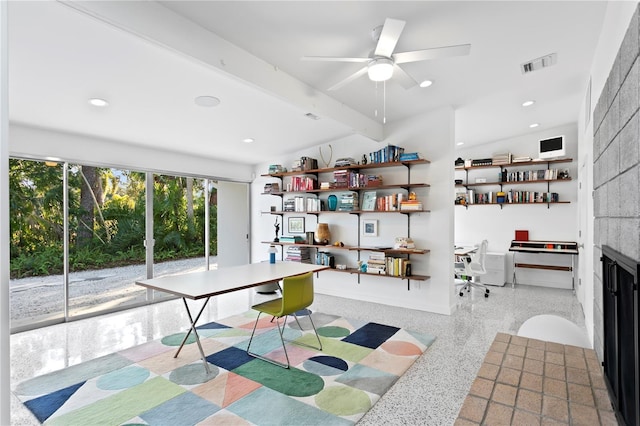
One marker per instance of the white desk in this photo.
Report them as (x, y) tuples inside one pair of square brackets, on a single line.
[(545, 247), (205, 284), (464, 250)]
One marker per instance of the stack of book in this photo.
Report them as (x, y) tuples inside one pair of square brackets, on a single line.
[(398, 266), (343, 162), (341, 179), (325, 258), (361, 180), (376, 264), (348, 202), (404, 243), (298, 254), (303, 183), (276, 168), (501, 159), (390, 202), (291, 239), (301, 204), (522, 159), (482, 162), (413, 205), (410, 156), (312, 204), (271, 187), (289, 205), (386, 154)]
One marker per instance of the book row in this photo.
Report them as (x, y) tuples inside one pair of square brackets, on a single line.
[(509, 197)]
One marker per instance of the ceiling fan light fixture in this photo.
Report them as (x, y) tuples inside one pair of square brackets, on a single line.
[(380, 69)]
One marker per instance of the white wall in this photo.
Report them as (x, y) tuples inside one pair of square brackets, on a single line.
[(31, 142), (433, 135), (559, 222), (615, 25)]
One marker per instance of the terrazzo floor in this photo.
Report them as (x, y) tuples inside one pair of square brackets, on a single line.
[(430, 393)]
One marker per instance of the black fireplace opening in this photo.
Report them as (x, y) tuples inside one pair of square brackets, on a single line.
[(621, 334)]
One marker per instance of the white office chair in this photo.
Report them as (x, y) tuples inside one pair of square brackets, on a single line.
[(471, 266)]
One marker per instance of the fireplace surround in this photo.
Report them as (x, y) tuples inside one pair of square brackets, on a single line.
[(621, 360)]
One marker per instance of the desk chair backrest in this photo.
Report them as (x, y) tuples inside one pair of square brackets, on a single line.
[(297, 293), (476, 266)]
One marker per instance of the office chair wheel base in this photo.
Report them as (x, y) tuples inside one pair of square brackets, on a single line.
[(461, 293), (486, 295), (487, 291)]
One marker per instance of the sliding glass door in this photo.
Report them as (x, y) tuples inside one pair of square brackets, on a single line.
[(178, 226), (104, 213), (106, 238)]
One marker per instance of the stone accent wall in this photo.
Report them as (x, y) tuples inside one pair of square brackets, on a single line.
[(616, 168)]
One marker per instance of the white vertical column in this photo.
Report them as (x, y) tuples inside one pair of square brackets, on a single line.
[(4, 220), (149, 241)]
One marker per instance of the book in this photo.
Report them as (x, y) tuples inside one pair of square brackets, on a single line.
[(410, 156), (369, 201), (411, 205)]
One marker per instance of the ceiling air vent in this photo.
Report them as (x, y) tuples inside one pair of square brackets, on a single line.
[(539, 63)]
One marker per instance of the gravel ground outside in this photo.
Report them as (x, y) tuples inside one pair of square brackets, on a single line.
[(38, 298)]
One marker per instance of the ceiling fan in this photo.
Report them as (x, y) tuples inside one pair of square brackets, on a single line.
[(383, 63)]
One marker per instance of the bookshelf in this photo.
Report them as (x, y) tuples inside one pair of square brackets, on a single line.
[(356, 185), (517, 184)]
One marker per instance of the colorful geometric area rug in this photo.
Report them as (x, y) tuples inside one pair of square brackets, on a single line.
[(146, 385)]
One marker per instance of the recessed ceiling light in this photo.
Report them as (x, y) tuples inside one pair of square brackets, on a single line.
[(248, 140), (460, 143), (528, 103), (534, 125), (207, 101), (426, 83), (97, 102)]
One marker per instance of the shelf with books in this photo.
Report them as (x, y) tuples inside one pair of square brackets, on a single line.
[(466, 195), (352, 167), (371, 196), (356, 212), (517, 164)]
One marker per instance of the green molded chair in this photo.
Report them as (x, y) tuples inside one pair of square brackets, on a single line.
[(297, 294)]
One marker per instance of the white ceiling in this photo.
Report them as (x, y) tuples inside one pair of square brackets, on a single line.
[(150, 60)]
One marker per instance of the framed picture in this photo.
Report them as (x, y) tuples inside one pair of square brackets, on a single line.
[(296, 225), (369, 227), (369, 201)]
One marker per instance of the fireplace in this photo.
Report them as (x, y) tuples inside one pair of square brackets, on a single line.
[(621, 334)]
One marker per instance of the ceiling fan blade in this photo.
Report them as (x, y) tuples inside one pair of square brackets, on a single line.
[(333, 59), (389, 37), (403, 78), (349, 79), (435, 53)]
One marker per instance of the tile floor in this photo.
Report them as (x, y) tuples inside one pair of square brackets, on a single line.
[(430, 393), (531, 382)]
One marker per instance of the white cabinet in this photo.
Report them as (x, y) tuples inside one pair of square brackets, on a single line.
[(496, 269)]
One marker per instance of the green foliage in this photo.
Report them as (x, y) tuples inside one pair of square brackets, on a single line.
[(117, 219), (47, 261)]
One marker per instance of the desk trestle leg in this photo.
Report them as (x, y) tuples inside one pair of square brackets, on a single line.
[(195, 333)]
